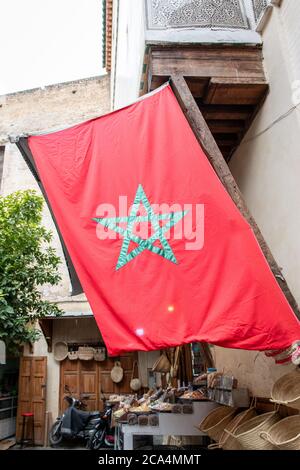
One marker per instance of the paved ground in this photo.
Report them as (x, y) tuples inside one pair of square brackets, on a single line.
[(66, 446)]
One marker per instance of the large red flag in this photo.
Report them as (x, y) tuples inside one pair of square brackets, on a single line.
[(180, 263)]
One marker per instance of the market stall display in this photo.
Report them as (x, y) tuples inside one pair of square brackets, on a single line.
[(162, 407), (176, 411), (169, 424), (194, 395)]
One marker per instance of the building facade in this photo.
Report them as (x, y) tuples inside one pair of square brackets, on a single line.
[(151, 40), (241, 63)]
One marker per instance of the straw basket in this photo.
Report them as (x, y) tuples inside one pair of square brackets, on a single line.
[(286, 391), (162, 364), (216, 421), (228, 441), (85, 353), (285, 434), (73, 355), (117, 372), (99, 354), (60, 350), (248, 434)]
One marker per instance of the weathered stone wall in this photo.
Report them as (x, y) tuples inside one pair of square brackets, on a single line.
[(55, 106)]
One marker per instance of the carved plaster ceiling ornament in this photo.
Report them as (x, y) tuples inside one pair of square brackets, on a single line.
[(258, 7), (164, 14)]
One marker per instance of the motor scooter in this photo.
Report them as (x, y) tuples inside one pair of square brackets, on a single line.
[(103, 434), (74, 423)]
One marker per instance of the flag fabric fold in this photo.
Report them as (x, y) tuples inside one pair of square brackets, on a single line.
[(162, 252)]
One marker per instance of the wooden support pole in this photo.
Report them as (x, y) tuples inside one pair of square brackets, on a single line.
[(214, 155)]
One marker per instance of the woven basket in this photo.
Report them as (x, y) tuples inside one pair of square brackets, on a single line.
[(117, 372), (285, 434), (248, 434), (216, 421), (73, 355), (162, 364), (286, 391), (85, 353), (227, 440), (60, 350), (99, 354)]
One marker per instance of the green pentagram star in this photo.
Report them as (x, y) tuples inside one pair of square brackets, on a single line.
[(143, 244)]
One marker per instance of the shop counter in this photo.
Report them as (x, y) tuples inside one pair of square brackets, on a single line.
[(170, 424)]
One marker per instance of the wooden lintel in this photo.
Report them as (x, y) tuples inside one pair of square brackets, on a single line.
[(214, 155), (234, 63), (46, 325)]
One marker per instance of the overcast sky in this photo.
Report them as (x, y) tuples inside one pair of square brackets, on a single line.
[(48, 41)]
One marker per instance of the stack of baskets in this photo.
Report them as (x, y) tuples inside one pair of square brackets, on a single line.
[(251, 431), (227, 440), (215, 422), (241, 431)]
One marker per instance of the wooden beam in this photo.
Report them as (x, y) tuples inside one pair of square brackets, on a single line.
[(214, 155), (224, 112), (226, 126), (241, 91), (231, 62)]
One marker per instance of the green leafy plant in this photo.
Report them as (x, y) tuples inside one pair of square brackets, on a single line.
[(27, 261)]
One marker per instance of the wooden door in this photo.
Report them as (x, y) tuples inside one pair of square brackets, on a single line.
[(88, 384), (88, 379), (81, 378), (32, 395), (107, 386), (69, 380)]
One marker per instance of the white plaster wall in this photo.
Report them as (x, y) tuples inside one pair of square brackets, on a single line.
[(267, 170), (198, 35), (253, 369), (266, 167), (127, 51)]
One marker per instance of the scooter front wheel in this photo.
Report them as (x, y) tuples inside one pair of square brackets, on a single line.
[(55, 435), (97, 439)]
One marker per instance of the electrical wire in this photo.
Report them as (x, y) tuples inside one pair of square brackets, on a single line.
[(271, 125)]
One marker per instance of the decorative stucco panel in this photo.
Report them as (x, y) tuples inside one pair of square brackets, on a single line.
[(164, 14)]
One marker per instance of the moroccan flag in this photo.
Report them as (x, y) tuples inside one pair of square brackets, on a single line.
[(162, 252)]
